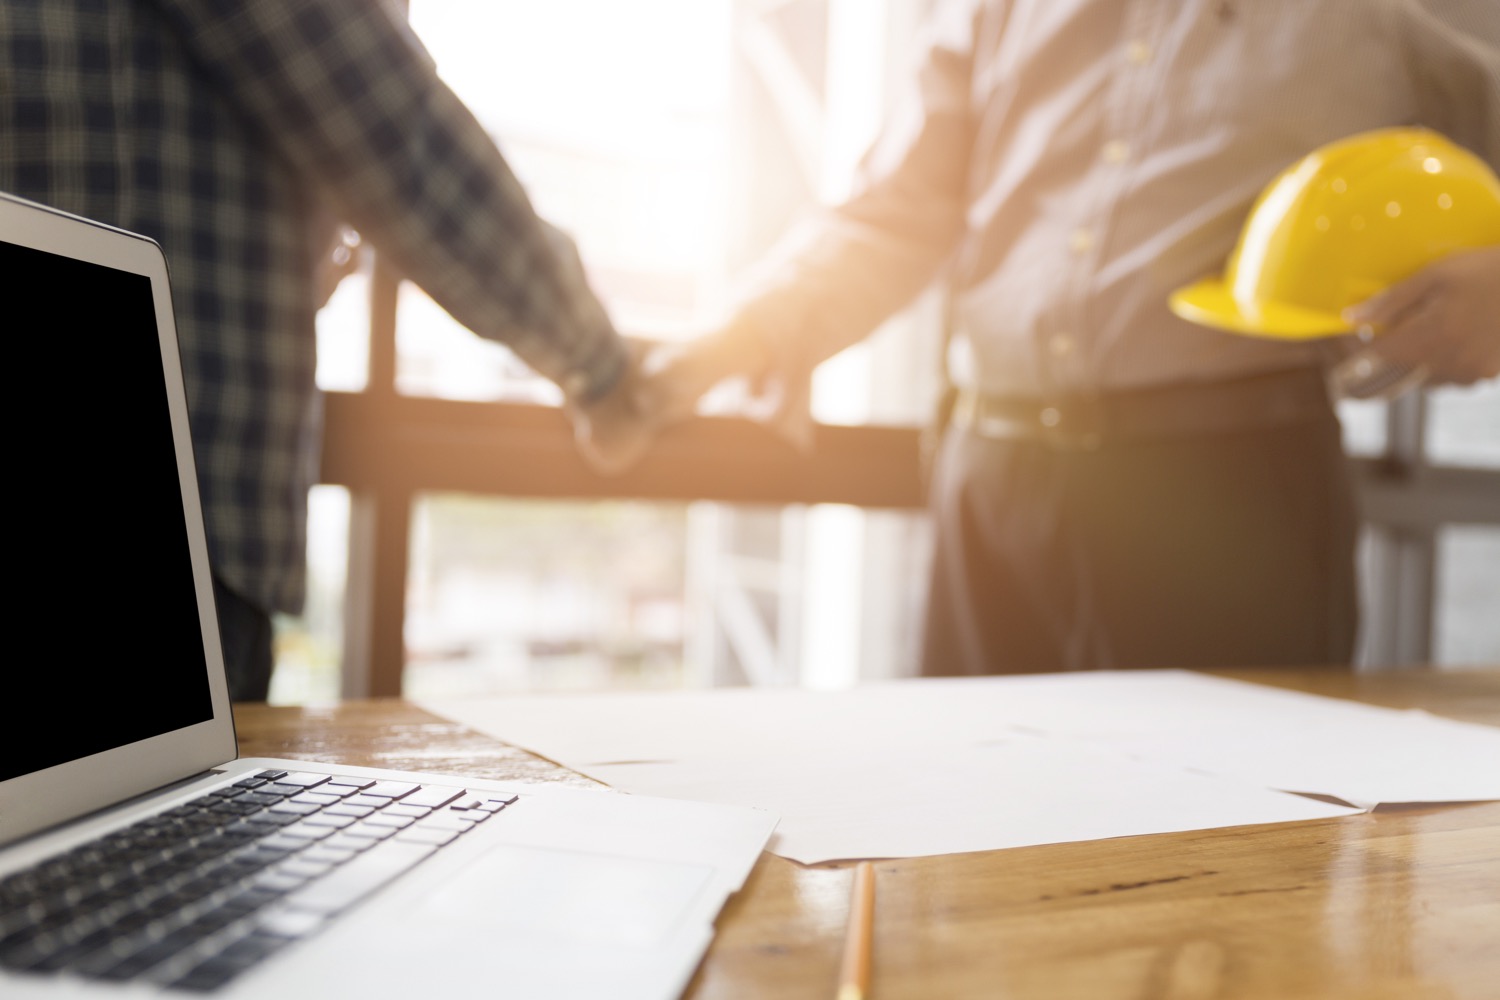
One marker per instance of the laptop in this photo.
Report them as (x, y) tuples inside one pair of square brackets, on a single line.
[(139, 855)]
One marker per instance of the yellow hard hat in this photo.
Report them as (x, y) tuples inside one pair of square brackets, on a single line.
[(1340, 225)]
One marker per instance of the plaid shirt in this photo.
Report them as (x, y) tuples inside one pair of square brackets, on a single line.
[(235, 134)]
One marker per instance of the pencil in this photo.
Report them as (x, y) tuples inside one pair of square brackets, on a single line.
[(854, 978)]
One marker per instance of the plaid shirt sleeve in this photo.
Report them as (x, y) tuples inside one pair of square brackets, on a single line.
[(346, 93)]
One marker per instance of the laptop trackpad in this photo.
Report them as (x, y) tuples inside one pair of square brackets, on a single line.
[(622, 901)]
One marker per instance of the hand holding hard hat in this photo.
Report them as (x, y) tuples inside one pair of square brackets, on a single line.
[(1394, 233), (1445, 320)]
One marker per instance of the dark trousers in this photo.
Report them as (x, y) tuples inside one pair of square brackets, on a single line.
[(246, 634), (1231, 548)]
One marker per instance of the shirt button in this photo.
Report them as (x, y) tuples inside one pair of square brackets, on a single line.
[(1138, 52), (1050, 416), (1116, 151), (1081, 241), (1061, 345)]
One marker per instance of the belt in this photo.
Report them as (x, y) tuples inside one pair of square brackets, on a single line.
[(1088, 421)]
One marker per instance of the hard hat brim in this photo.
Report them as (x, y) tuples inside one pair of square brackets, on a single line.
[(1210, 303)]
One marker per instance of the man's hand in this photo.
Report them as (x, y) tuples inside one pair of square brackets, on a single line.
[(613, 432), (1444, 320), (662, 386), (676, 376)]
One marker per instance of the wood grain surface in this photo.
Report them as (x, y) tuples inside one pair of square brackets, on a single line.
[(1398, 903)]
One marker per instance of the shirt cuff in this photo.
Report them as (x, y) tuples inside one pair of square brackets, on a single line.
[(587, 386)]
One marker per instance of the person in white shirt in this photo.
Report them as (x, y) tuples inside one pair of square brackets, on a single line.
[(1117, 487)]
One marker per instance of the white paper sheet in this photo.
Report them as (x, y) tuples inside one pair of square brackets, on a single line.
[(883, 803), (1280, 739), (939, 766)]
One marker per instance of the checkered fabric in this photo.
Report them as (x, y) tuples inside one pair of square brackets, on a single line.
[(237, 134)]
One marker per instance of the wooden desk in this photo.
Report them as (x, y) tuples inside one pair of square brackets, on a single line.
[(1400, 903)]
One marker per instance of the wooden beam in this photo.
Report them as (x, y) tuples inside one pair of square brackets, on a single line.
[(406, 445)]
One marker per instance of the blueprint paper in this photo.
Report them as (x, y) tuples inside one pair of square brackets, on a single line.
[(936, 766)]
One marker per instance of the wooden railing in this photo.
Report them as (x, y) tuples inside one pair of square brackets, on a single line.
[(387, 449)]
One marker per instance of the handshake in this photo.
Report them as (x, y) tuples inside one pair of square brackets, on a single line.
[(662, 386)]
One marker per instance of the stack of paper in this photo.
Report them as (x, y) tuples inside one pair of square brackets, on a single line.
[(937, 766)]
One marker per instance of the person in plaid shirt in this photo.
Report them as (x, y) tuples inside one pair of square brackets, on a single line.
[(238, 135)]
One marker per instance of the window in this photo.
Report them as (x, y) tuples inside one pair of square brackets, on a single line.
[(1431, 493), (721, 120), (647, 176)]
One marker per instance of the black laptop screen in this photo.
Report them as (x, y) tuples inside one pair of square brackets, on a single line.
[(105, 645)]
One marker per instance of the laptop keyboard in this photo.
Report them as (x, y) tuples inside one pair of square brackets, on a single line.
[(193, 896)]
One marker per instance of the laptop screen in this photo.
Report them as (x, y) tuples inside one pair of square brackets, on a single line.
[(103, 610)]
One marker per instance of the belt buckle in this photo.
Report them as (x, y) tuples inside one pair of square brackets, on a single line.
[(1074, 423)]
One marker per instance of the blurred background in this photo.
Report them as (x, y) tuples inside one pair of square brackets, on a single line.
[(675, 140)]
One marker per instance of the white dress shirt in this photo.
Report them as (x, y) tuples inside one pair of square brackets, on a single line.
[(1066, 164)]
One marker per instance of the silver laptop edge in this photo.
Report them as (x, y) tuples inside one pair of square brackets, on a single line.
[(35, 801)]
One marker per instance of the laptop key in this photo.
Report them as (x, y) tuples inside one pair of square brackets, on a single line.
[(278, 883), (389, 790), (369, 832), (341, 841), (234, 959), (304, 869), (282, 789), (281, 841), (303, 779), (350, 781), (147, 958), (433, 796), (261, 798), (304, 831), (144, 950), (319, 799), (371, 801), (325, 854), (248, 900), (418, 835), (208, 976), (358, 877), (24, 954), (445, 821), (288, 924)]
